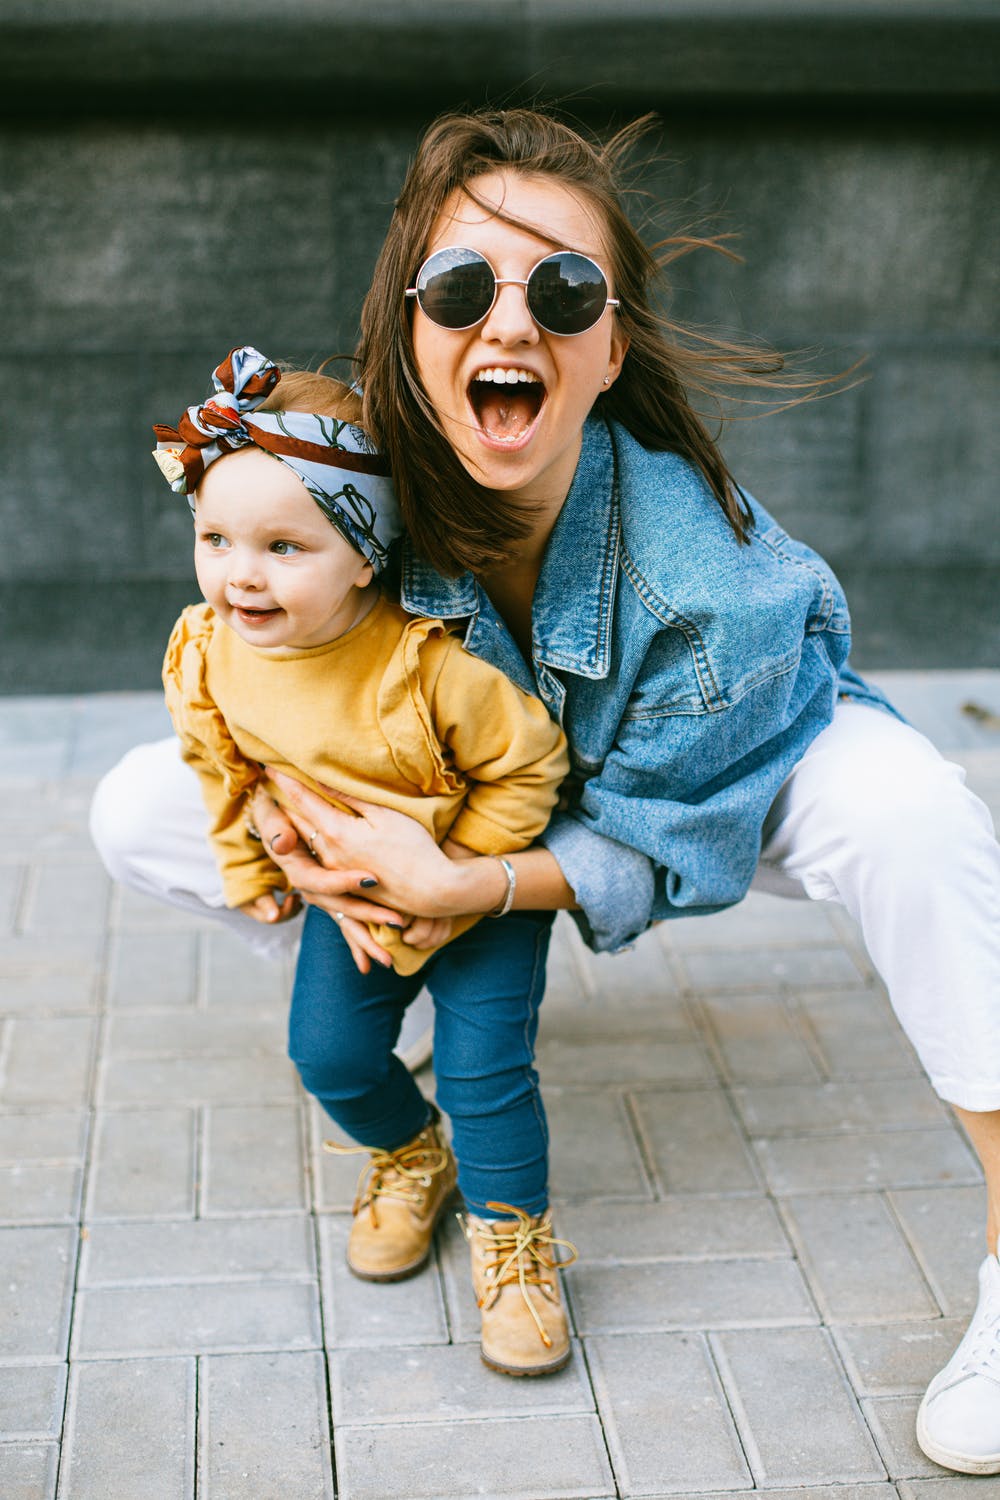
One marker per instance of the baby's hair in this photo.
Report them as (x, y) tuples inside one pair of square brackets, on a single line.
[(311, 390)]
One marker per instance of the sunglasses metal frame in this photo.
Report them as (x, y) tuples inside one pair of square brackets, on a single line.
[(499, 281)]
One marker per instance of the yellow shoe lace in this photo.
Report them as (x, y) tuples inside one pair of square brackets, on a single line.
[(404, 1174), (521, 1252)]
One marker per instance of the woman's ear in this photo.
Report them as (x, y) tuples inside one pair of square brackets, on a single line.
[(365, 576), (616, 356)]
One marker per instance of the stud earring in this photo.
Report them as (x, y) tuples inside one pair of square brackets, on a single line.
[(607, 380)]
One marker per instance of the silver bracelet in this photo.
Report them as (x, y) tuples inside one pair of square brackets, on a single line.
[(508, 900)]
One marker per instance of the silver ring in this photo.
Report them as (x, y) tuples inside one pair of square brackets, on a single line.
[(338, 916), (312, 843)]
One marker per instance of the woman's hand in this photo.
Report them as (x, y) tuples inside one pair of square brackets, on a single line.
[(367, 849), (339, 892)]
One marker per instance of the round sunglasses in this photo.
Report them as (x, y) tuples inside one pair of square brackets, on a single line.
[(566, 292)]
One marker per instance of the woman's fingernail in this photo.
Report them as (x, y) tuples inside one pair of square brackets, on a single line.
[(277, 836), (396, 926), (368, 882), (386, 963)]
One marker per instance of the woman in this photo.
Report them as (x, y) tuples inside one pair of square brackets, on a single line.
[(564, 499)]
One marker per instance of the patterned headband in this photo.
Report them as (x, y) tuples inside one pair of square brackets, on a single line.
[(330, 457)]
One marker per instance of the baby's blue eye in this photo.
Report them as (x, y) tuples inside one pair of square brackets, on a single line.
[(215, 539), (284, 549)]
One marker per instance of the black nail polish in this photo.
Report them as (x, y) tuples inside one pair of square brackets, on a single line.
[(396, 926), (368, 882)]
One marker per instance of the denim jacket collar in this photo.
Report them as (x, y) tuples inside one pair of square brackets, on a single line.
[(574, 596)]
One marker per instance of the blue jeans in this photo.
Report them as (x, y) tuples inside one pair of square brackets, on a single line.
[(487, 987)]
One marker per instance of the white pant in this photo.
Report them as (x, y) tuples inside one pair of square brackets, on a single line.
[(872, 817)]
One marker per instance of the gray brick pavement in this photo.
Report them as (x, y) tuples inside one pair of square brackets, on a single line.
[(778, 1222)]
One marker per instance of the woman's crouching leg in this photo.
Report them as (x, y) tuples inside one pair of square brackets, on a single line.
[(150, 827), (875, 818)]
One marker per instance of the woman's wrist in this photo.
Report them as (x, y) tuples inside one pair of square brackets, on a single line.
[(475, 887)]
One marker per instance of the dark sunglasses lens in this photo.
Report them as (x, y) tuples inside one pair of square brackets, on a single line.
[(455, 288), (567, 293)]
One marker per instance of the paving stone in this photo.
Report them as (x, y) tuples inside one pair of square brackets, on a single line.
[(153, 970), (48, 1061), (235, 976), (807, 1429), (50, 1137), (195, 1080), (70, 987), (641, 974), (36, 1281), (610, 1166), (758, 1041), (858, 1036), (31, 1402), (71, 896), (893, 1421), (253, 1160), (196, 1034), (688, 1295), (802, 1109), (28, 1471), (373, 1313), (197, 1250), (444, 1382), (694, 1143), (890, 1159), (756, 920), (562, 1458), (812, 967), (856, 1260), (132, 911), (692, 1228), (40, 1194), (263, 1432), (12, 879), (945, 1226), (951, 1487), (197, 1318), (894, 1359), (568, 1063), (665, 1414), (130, 1431), (143, 1164)]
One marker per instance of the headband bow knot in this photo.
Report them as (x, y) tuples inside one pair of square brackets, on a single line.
[(334, 460)]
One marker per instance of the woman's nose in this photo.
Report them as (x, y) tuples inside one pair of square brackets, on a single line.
[(508, 321)]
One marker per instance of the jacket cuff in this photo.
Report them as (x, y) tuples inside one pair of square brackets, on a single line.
[(613, 884)]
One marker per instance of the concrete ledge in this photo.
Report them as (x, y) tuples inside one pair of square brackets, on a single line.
[(335, 55)]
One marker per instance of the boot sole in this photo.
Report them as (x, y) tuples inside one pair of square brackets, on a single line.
[(549, 1369)]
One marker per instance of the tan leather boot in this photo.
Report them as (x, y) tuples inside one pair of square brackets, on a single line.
[(401, 1195), (514, 1275)]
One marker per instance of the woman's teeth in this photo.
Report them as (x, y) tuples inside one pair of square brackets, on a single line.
[(499, 376)]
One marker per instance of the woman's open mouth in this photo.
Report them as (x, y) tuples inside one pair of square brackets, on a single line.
[(506, 403)]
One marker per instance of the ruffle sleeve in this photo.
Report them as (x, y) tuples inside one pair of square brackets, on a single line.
[(199, 724)]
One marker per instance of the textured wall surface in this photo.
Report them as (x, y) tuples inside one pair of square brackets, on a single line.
[(150, 224)]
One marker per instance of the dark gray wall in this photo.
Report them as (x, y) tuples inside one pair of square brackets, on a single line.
[(168, 192)]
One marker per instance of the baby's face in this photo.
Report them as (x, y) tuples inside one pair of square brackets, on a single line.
[(268, 561)]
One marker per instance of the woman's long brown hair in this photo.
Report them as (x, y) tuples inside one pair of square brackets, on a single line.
[(454, 522)]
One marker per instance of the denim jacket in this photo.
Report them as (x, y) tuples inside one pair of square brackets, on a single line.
[(689, 672)]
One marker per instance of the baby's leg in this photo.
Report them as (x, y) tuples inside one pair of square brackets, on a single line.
[(487, 987), (342, 1030)]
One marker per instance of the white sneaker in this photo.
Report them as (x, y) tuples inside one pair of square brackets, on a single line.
[(416, 1037), (958, 1424)]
